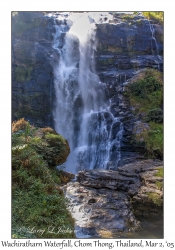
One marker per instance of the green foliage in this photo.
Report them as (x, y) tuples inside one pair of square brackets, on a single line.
[(155, 198), (146, 93), (37, 200), (139, 22), (49, 130), (155, 16), (54, 140), (18, 138), (55, 176), (127, 16), (159, 184), (27, 130), (35, 209), (144, 87), (153, 140), (42, 148), (155, 115), (53, 148), (146, 96), (159, 173)]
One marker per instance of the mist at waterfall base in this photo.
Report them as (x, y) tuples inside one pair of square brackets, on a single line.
[(81, 112)]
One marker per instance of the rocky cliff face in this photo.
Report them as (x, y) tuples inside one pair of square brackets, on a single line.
[(32, 75), (126, 45)]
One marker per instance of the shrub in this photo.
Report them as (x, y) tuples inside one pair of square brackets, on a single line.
[(34, 209), (54, 139), (18, 138), (153, 139), (145, 94), (155, 115), (21, 124), (149, 73), (49, 130), (155, 16), (37, 199), (53, 148), (145, 86)]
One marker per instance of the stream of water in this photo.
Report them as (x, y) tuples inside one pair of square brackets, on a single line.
[(82, 113)]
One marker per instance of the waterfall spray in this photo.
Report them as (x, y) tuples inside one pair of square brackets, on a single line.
[(82, 113)]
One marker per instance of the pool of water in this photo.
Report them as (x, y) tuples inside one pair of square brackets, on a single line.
[(150, 229)]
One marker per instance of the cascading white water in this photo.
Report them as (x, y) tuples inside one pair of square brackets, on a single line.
[(82, 113), (153, 38)]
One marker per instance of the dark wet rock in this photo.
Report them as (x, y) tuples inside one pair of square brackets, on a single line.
[(108, 117), (109, 200), (99, 209), (32, 73), (115, 129), (129, 41), (106, 178), (125, 47), (137, 179), (147, 200)]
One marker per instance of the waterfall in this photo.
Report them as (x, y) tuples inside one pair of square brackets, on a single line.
[(153, 38), (81, 112)]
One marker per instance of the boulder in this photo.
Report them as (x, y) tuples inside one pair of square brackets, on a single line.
[(138, 179), (99, 210)]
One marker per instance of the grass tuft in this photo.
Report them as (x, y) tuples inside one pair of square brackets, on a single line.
[(155, 198)]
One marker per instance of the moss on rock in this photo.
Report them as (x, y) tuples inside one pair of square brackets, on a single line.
[(37, 200)]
